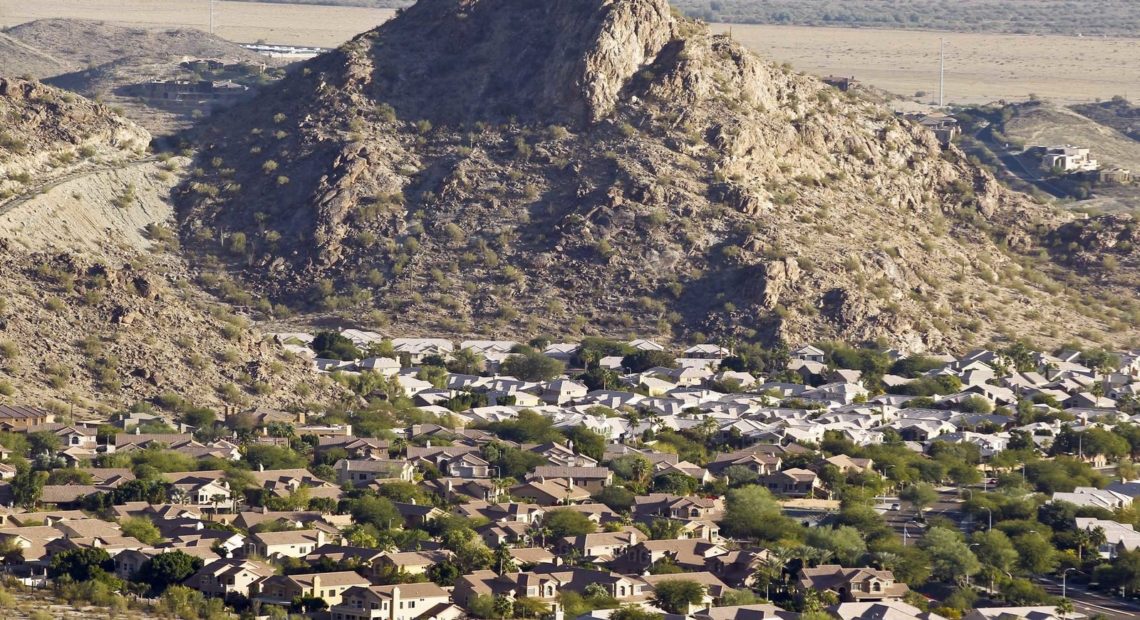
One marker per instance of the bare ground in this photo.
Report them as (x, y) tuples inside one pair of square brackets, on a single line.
[(245, 22)]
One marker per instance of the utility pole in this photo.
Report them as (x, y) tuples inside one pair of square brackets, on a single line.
[(211, 16), (941, 71)]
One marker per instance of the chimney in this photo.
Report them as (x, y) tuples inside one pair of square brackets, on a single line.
[(395, 600), (261, 467), (317, 585), (301, 417), (428, 443)]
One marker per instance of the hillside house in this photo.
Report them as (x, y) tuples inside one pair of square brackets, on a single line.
[(1068, 158)]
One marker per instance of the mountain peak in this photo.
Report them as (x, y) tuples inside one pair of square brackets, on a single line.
[(562, 61)]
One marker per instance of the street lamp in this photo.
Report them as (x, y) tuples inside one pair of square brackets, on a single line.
[(990, 515), (1064, 575), (906, 534)]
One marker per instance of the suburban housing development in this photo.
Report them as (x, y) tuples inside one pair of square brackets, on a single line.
[(602, 479)]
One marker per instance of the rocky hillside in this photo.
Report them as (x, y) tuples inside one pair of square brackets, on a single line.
[(96, 307), (47, 133), (497, 166)]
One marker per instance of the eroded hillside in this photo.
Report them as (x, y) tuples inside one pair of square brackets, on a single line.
[(96, 306), (560, 165)]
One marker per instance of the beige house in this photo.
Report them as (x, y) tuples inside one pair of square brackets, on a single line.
[(852, 584), (287, 544), (229, 576), (329, 587), (408, 601)]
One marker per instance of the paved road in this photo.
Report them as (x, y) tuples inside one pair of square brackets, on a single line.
[(1093, 603)]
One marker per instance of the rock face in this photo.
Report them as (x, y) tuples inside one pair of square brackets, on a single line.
[(479, 60), (515, 166)]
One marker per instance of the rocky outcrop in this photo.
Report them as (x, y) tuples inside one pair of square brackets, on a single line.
[(509, 166)]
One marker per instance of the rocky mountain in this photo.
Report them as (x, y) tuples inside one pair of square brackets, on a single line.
[(505, 166), (97, 309)]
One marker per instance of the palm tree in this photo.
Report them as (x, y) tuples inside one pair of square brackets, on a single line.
[(216, 499)]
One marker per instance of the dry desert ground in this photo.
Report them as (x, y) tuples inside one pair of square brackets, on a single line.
[(979, 67), (244, 22)]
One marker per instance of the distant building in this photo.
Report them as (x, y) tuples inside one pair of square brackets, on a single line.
[(844, 84), (1068, 158)]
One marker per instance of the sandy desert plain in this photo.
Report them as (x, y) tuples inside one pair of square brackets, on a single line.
[(979, 67)]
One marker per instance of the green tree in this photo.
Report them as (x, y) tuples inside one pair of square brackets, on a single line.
[(167, 569), (994, 549), (587, 442), (629, 612), (752, 512), (532, 365), (81, 564), (503, 607), (377, 511), (568, 523), (845, 542), (333, 346), (644, 360), (504, 562), (1036, 555), (142, 529), (950, 557), (465, 362), (920, 495), (677, 595), (28, 486)]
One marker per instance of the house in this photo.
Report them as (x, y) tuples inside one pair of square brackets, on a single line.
[(881, 610), (654, 505), (599, 546), (286, 544), (416, 349), (1067, 158), (689, 554), (408, 601), (944, 126), (852, 584), (1118, 537), (23, 416), (550, 492), (229, 576), (707, 352), (739, 567), (714, 587), (201, 488), (1094, 498), (593, 479), (842, 83), (412, 562), (645, 345), (848, 464), (1040, 612), (795, 482), (329, 587), (808, 353), (360, 473)]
